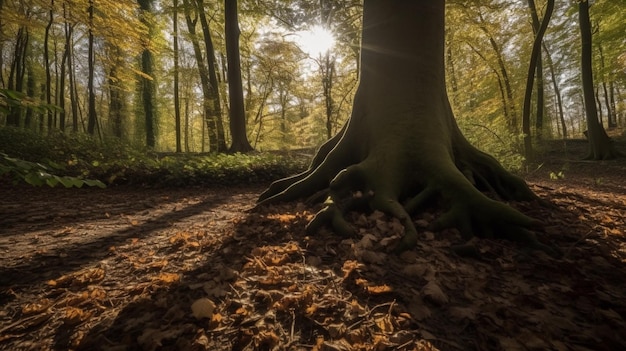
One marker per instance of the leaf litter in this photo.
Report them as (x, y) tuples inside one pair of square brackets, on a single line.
[(200, 272)]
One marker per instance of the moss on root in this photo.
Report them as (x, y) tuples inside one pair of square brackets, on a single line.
[(404, 179)]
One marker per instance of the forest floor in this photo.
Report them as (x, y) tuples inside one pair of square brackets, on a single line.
[(194, 269)]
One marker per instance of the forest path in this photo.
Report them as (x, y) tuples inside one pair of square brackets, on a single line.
[(119, 269)]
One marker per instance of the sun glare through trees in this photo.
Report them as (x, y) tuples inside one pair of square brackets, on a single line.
[(315, 41)]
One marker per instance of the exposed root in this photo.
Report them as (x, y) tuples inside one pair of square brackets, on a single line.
[(363, 187)]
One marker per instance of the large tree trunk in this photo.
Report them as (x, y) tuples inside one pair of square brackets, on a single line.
[(600, 146), (402, 150)]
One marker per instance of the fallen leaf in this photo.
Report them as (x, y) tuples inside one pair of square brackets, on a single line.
[(203, 308)]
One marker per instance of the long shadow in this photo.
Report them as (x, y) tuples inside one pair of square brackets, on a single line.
[(505, 299), (26, 209), (72, 257)]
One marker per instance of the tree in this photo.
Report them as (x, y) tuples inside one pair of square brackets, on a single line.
[(92, 119), (240, 141), (535, 63), (212, 113), (176, 85), (148, 87), (539, 72), (216, 121), (600, 146), (401, 149)]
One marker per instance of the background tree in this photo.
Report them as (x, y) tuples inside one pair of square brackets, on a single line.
[(176, 84), (237, 113), (147, 85), (92, 118), (533, 67), (600, 146)]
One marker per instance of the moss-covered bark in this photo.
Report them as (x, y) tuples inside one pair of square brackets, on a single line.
[(401, 150)]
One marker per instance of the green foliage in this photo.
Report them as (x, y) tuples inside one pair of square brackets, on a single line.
[(557, 176), (33, 158), (10, 99), (495, 139), (38, 174)]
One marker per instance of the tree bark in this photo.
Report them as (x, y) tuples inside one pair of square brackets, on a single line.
[(600, 146), (401, 150), (240, 141)]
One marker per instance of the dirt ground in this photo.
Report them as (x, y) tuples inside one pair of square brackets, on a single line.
[(194, 269)]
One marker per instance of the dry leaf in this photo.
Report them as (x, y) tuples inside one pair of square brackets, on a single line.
[(203, 308), (168, 278), (75, 315), (379, 289), (385, 324), (36, 307)]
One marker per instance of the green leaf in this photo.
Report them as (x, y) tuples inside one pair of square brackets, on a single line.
[(33, 179), (52, 181)]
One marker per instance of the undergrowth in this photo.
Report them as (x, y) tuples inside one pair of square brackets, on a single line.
[(112, 161)]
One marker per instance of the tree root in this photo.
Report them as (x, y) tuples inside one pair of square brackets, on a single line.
[(380, 177), (361, 186)]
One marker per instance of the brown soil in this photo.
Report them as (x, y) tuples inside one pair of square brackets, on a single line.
[(194, 269)]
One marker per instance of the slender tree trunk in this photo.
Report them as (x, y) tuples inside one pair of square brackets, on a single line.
[(612, 101), (46, 57), (600, 146), (217, 120), (599, 106), (117, 100), (328, 75), (611, 122), (539, 72), (238, 133), (18, 72), (148, 85), (177, 120), (92, 117), (557, 90), (535, 57), (207, 102), (31, 86), (513, 124)]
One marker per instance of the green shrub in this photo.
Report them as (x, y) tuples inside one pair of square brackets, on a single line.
[(80, 157)]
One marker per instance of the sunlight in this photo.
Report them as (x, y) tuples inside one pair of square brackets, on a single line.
[(315, 41)]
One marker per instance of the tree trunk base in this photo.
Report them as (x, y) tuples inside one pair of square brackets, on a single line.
[(402, 177)]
